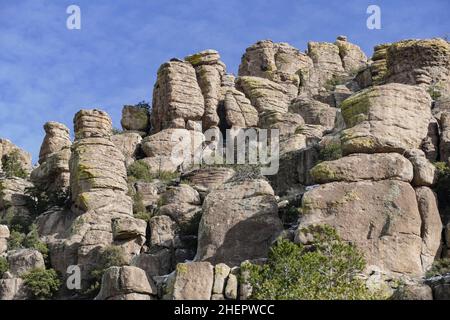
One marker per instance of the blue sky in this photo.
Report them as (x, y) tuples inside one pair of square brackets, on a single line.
[(48, 72)]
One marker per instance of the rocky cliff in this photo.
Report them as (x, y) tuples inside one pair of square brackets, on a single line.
[(364, 147)]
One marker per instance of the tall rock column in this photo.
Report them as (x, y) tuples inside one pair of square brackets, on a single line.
[(99, 193), (53, 171)]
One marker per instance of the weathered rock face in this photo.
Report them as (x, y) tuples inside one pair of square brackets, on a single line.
[(353, 58), (356, 167), (56, 138), (164, 150), (8, 149), (431, 225), (314, 112), (13, 198), (381, 218), (327, 62), (294, 171), (102, 211), (135, 118), (92, 124), (278, 62), (154, 264), (286, 123), (209, 70), (191, 281), (13, 288), (264, 94), (53, 172), (424, 170), (420, 62), (177, 97), (126, 283), (208, 179), (24, 260), (445, 137), (4, 236), (387, 118), (229, 212), (129, 144), (238, 110), (378, 68)]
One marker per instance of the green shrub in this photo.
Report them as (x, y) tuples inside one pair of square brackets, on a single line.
[(324, 270), (439, 268), (19, 240), (289, 215), (139, 171), (4, 266), (109, 257), (40, 200), (43, 284), (12, 166), (442, 187), (32, 241), (15, 240), (331, 151)]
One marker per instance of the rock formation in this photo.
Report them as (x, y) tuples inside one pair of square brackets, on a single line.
[(358, 142)]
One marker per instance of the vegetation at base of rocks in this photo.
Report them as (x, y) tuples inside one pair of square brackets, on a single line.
[(17, 221), (331, 151), (4, 266), (289, 215), (39, 201), (139, 209), (325, 269), (140, 171), (12, 166), (439, 268), (442, 187), (244, 172), (41, 283), (111, 256), (19, 240)]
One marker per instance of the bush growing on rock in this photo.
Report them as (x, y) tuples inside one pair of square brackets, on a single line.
[(324, 269), (331, 151), (442, 187), (42, 284), (139, 171), (12, 166), (19, 240), (41, 200), (439, 268), (4, 266), (111, 256)]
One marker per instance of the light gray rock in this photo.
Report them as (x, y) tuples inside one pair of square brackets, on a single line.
[(135, 118), (24, 260), (118, 282), (193, 281), (424, 170), (387, 118), (177, 97), (231, 216), (221, 272), (356, 167)]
